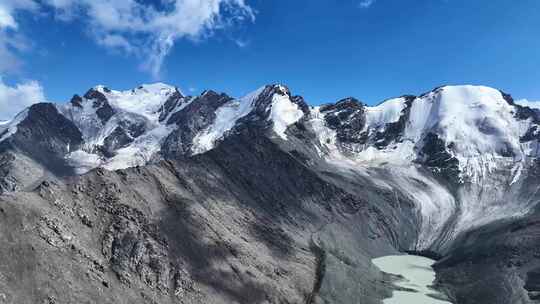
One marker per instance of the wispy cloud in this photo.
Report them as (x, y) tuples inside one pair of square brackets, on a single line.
[(14, 99), (8, 8), (11, 40), (145, 30), (366, 3), (241, 43), (148, 32)]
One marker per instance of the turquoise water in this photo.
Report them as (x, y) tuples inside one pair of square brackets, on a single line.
[(418, 275)]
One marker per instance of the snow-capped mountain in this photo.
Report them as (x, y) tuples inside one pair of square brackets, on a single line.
[(482, 144), (122, 129), (466, 135), (179, 194), (466, 128), (460, 131)]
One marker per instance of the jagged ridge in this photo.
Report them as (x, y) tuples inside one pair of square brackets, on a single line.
[(411, 174)]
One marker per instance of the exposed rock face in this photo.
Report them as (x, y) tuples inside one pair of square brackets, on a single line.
[(260, 117), (348, 119), (100, 103), (45, 130), (264, 199), (119, 138), (172, 103), (45, 136), (499, 256), (214, 229), (76, 101), (437, 158), (196, 116), (394, 131)]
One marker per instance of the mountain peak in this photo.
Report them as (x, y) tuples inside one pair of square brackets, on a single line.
[(465, 121), (101, 88), (471, 125), (280, 89), (157, 88)]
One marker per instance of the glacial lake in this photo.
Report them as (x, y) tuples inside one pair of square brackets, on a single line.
[(418, 275)]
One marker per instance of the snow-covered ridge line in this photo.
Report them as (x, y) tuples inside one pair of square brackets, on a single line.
[(129, 128), (126, 124), (474, 135), (226, 118), (281, 112), (387, 112), (144, 100), (476, 124), (8, 128)]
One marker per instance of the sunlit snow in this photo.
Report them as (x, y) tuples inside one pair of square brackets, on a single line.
[(481, 131), (138, 106), (8, 128), (226, 118), (283, 114)]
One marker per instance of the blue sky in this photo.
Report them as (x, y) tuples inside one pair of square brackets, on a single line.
[(322, 49)]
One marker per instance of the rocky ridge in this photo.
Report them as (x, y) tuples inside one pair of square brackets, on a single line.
[(150, 196)]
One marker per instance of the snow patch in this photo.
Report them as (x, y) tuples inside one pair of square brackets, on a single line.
[(476, 122), (516, 173), (141, 151), (84, 117), (83, 161), (139, 107), (146, 100), (326, 136), (8, 128), (226, 118), (387, 112), (284, 113), (138, 153)]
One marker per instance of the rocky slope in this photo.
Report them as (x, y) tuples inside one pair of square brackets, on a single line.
[(150, 196)]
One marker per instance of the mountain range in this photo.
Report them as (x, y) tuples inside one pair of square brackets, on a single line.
[(151, 196)]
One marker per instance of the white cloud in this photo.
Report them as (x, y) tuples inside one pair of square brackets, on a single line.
[(366, 3), (116, 42), (529, 103), (146, 30), (8, 8), (12, 42), (6, 19), (149, 32), (241, 43), (13, 99)]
